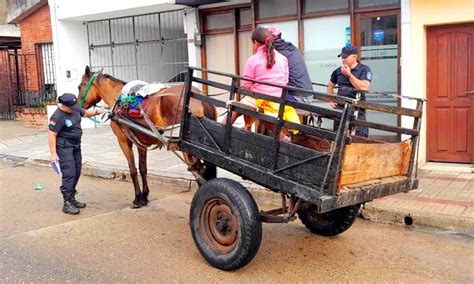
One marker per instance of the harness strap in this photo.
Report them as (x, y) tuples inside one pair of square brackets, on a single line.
[(88, 87)]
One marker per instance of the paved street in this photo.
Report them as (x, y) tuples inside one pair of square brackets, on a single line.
[(444, 200), (108, 242)]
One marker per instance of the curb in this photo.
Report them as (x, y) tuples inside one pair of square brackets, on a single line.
[(371, 211), (416, 218)]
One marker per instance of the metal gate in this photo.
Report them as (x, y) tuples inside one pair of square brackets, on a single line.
[(150, 47), (26, 80)]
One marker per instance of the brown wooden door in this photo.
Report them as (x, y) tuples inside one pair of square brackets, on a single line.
[(450, 87)]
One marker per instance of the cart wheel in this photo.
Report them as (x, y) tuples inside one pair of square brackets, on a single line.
[(330, 223), (225, 224)]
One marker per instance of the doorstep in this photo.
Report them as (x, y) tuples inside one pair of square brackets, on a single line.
[(448, 167)]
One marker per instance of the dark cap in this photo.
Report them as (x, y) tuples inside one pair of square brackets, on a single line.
[(347, 50), (70, 101)]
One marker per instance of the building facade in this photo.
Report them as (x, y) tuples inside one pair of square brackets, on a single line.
[(155, 40)]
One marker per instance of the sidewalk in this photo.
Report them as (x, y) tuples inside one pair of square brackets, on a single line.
[(444, 200)]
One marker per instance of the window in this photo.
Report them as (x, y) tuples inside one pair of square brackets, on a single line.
[(314, 6), (219, 21), (245, 18), (276, 8), (48, 80), (379, 50), (321, 55), (368, 3), (289, 31)]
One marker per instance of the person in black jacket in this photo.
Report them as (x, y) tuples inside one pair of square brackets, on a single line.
[(299, 76)]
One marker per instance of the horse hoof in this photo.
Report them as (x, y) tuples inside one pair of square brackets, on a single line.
[(144, 202), (135, 206)]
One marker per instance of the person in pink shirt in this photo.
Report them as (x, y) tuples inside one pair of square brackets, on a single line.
[(266, 65)]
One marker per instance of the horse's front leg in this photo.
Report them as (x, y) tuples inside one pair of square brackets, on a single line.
[(142, 165), (126, 146)]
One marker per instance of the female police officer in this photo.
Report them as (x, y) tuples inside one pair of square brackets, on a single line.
[(65, 146)]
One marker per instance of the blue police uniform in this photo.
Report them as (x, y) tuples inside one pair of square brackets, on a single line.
[(68, 143), (346, 89)]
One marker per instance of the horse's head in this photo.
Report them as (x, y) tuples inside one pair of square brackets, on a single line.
[(89, 92)]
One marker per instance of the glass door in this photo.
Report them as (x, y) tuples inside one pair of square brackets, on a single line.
[(378, 36)]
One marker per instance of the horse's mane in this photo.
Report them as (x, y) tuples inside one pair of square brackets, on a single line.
[(107, 76)]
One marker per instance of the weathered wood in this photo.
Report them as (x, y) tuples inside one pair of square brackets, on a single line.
[(366, 192), (388, 109), (364, 162), (329, 113), (399, 130), (209, 100)]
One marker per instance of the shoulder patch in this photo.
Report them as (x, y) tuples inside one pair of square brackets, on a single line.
[(53, 122), (369, 75), (68, 122)]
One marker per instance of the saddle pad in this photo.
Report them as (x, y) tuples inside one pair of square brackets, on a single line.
[(150, 89), (132, 87), (142, 88)]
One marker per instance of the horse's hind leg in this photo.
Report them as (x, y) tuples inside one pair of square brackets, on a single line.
[(142, 165)]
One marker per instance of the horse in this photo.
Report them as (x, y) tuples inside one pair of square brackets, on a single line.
[(163, 109)]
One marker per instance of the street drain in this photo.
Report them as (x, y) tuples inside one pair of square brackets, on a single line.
[(408, 220)]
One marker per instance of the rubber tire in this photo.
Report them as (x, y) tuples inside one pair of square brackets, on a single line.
[(330, 223), (244, 208)]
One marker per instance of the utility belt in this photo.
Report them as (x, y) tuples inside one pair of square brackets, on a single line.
[(69, 140)]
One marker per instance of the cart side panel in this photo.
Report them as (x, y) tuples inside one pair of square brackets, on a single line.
[(365, 162), (294, 162)]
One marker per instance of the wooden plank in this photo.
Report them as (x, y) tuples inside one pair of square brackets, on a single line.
[(399, 130), (388, 109), (364, 162), (209, 100)]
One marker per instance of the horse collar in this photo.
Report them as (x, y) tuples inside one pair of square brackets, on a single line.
[(88, 87)]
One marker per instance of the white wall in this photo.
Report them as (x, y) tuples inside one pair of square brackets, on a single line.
[(416, 16), (71, 54), (87, 10)]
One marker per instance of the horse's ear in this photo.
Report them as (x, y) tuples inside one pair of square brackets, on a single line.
[(88, 71), (101, 70)]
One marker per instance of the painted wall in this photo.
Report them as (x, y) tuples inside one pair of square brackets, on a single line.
[(416, 16), (35, 29), (70, 34)]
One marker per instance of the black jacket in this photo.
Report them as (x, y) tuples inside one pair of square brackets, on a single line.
[(299, 76)]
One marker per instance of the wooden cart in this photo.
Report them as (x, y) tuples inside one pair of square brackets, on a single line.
[(324, 185)]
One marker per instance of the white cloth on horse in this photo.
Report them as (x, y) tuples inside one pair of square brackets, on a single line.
[(142, 88), (151, 89)]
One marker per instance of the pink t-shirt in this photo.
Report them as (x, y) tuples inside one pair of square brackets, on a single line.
[(256, 68)]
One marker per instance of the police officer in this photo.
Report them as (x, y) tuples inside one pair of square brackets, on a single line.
[(298, 75), (350, 77), (65, 146)]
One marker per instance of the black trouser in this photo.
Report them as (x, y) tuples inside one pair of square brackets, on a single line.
[(360, 131), (70, 161)]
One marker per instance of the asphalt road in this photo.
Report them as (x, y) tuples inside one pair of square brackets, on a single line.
[(108, 242)]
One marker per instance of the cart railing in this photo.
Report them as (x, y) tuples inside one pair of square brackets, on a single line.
[(344, 118)]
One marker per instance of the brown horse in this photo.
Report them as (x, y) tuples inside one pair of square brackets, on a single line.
[(163, 108)]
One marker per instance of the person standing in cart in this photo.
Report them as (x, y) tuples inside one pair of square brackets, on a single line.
[(65, 146), (351, 77)]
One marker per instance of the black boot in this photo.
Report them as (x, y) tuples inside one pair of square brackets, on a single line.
[(76, 203), (69, 207)]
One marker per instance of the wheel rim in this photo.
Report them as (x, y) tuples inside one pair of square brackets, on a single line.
[(219, 225)]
